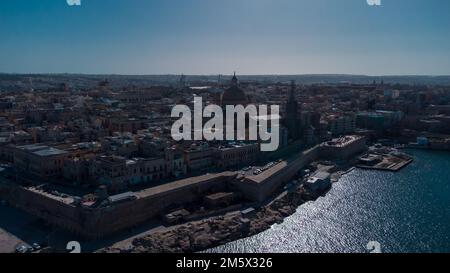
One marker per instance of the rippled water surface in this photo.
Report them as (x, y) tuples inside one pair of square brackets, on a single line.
[(408, 211)]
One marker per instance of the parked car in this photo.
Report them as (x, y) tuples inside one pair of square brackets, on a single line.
[(257, 172), (36, 246), (24, 249)]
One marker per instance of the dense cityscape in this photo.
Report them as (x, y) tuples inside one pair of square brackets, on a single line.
[(224, 136), (95, 157)]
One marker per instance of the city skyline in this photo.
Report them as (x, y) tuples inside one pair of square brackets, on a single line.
[(252, 37), (224, 127)]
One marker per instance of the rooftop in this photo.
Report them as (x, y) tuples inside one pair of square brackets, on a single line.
[(179, 184), (121, 197), (42, 150), (342, 141), (267, 173), (322, 175)]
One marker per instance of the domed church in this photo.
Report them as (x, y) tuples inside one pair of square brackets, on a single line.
[(234, 95)]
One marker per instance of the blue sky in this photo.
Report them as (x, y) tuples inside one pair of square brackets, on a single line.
[(220, 36)]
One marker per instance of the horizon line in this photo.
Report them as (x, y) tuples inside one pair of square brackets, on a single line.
[(219, 74)]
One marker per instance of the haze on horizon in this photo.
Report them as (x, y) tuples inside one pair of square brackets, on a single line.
[(137, 37)]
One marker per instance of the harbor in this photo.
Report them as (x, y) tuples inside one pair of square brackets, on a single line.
[(384, 159), (406, 212)]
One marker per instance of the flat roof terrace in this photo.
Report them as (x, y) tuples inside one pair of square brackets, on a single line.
[(182, 184), (167, 188), (268, 173), (41, 150), (277, 167), (342, 141), (63, 198)]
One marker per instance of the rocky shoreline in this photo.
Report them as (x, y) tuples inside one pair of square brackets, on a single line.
[(216, 231)]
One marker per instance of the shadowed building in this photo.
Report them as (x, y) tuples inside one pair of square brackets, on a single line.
[(40, 161), (234, 96), (292, 121)]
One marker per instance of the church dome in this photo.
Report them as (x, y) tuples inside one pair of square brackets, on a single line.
[(234, 95)]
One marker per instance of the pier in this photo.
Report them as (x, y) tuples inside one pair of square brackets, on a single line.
[(392, 162)]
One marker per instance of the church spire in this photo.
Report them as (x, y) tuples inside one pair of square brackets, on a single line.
[(292, 121), (234, 80), (292, 91)]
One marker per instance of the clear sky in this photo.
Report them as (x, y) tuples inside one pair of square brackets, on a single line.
[(221, 36)]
